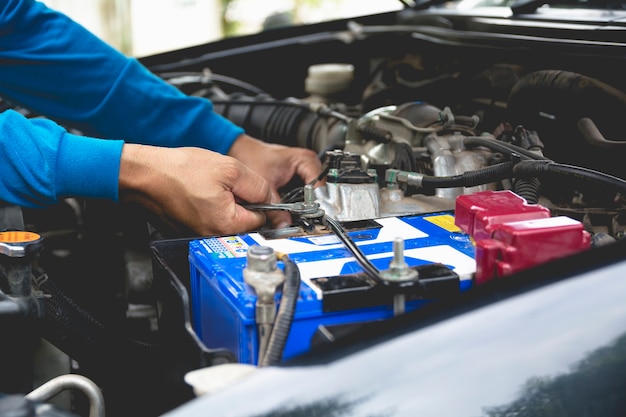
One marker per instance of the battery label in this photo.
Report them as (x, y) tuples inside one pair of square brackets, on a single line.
[(225, 247)]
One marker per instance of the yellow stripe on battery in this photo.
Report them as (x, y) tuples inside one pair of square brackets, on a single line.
[(445, 221)]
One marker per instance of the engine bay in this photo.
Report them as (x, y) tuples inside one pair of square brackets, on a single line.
[(437, 111)]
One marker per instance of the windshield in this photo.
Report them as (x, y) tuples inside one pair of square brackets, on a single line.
[(250, 16), (561, 4)]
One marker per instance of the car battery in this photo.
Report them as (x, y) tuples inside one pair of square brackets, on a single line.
[(334, 291)]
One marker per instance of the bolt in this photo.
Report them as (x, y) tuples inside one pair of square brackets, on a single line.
[(309, 195), (399, 271), (398, 255), (261, 259)]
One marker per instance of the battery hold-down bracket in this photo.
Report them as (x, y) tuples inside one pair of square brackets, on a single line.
[(353, 291)]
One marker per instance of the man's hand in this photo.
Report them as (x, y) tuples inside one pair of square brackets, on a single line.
[(193, 187), (277, 164)]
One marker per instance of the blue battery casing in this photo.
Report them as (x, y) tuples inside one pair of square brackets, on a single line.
[(223, 305)]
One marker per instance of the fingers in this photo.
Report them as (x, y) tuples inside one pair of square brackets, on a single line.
[(248, 186), (276, 163), (308, 166), (237, 183), (244, 221)]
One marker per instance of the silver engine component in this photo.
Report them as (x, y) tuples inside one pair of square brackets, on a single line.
[(395, 137)]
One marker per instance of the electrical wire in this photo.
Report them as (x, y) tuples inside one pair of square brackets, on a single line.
[(298, 193), (536, 168), (181, 78), (273, 353), (369, 268)]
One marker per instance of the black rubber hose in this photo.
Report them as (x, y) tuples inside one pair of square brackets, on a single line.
[(284, 317), (553, 102), (264, 117), (471, 178), (526, 169), (548, 90), (288, 122), (528, 189)]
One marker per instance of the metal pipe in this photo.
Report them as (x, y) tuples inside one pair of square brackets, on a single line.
[(71, 381)]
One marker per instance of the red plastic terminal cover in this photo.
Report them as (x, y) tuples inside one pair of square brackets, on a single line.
[(512, 235), (477, 214)]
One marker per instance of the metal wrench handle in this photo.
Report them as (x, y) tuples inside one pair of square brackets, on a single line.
[(298, 208)]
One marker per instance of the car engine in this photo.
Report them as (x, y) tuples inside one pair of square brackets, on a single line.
[(381, 151)]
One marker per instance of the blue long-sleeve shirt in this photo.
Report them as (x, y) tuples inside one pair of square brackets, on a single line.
[(55, 67)]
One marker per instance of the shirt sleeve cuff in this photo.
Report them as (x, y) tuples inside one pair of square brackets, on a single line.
[(88, 167)]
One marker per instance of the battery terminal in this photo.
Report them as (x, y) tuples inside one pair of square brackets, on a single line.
[(264, 276), (399, 272)]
